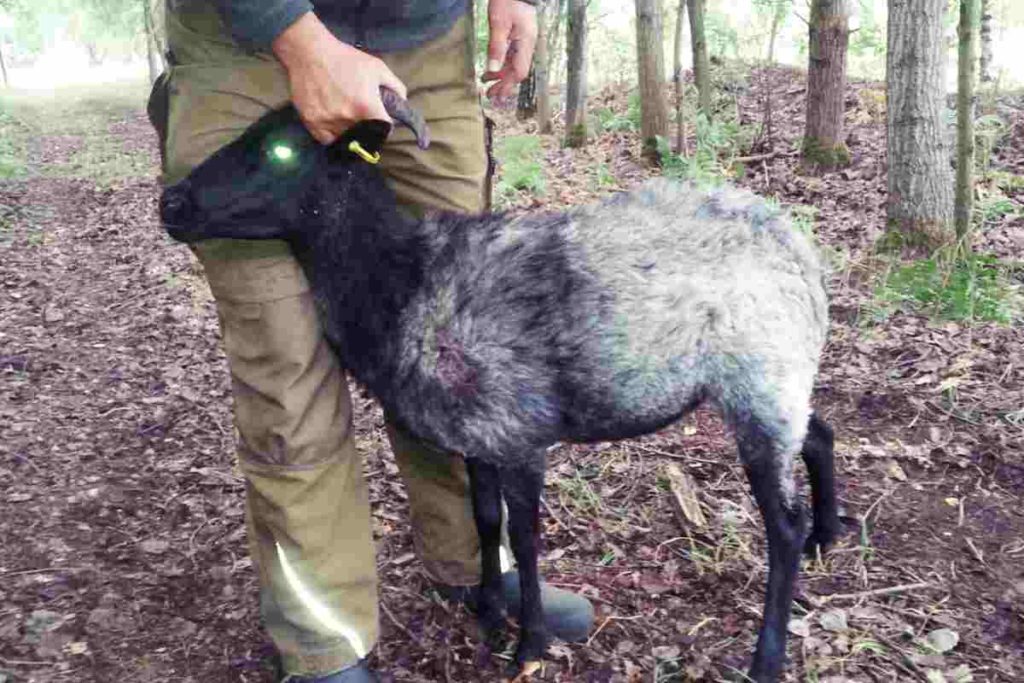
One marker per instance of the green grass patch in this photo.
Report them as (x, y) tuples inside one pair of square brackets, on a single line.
[(83, 116), (12, 148), (976, 288), (520, 169)]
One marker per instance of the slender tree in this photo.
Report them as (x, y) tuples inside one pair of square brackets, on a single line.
[(541, 62), (154, 55), (651, 67), (677, 77), (526, 103), (824, 145), (3, 66), (576, 75), (701, 64), (968, 56), (778, 9), (986, 41), (920, 182)]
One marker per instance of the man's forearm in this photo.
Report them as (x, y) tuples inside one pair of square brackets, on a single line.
[(258, 24)]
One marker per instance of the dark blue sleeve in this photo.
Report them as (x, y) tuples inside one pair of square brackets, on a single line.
[(255, 23)]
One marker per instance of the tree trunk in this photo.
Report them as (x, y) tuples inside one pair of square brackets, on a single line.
[(986, 41), (526, 106), (576, 75), (824, 145), (3, 66), (555, 35), (778, 14), (968, 33), (677, 77), (920, 202), (651, 65), (154, 56), (701, 66), (542, 66)]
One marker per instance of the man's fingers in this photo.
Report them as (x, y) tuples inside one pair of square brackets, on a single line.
[(498, 47), (391, 81), (322, 135)]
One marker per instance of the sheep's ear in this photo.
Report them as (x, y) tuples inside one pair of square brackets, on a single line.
[(404, 113)]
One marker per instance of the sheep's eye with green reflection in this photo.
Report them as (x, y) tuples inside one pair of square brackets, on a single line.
[(282, 153)]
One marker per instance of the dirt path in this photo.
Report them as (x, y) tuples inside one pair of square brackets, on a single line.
[(122, 549)]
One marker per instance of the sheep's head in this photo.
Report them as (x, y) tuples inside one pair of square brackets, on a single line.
[(249, 188)]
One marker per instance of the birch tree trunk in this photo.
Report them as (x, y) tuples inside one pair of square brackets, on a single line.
[(968, 56), (701, 66), (651, 67), (576, 75), (824, 144), (920, 182), (541, 64)]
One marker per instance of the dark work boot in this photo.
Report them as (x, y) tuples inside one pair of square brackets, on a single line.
[(568, 616)]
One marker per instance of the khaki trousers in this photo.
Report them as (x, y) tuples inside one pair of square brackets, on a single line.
[(307, 506)]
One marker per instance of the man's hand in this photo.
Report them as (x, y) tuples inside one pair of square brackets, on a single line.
[(513, 27), (334, 85)]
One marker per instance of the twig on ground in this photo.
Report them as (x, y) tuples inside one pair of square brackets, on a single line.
[(876, 592)]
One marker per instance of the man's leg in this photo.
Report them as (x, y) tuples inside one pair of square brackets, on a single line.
[(307, 504), (450, 175)]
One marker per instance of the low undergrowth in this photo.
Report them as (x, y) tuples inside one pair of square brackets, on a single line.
[(975, 288)]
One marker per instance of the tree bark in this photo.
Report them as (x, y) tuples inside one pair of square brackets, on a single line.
[(701, 66), (651, 67), (541, 65), (968, 55), (824, 144), (526, 104), (986, 41), (154, 55), (576, 75), (920, 182), (677, 78)]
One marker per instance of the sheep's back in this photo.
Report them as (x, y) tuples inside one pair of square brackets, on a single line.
[(708, 294)]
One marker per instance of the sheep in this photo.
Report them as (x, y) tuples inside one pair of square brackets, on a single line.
[(497, 336)]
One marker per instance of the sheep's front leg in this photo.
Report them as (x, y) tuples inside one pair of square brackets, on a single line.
[(485, 488), (818, 456), (771, 482), (522, 487)]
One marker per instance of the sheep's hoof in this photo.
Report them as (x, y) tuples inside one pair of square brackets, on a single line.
[(527, 670), (823, 537)]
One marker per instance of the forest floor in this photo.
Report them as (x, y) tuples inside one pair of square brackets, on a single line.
[(122, 544)]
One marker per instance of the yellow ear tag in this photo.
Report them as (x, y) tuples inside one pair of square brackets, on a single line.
[(356, 148)]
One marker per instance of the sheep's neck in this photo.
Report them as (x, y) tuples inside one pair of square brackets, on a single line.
[(365, 261)]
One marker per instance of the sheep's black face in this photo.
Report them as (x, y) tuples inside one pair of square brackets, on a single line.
[(253, 188), (248, 189)]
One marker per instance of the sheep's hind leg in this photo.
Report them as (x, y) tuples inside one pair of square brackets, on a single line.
[(771, 481), (522, 486), (818, 456), (485, 487)]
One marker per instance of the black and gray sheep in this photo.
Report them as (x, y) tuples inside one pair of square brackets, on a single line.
[(497, 336)]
